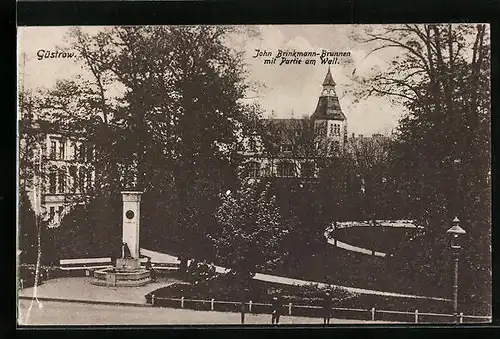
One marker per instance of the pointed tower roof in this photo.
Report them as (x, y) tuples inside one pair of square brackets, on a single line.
[(329, 79), (328, 107)]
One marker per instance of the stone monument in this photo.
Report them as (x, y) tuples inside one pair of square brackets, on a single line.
[(127, 270)]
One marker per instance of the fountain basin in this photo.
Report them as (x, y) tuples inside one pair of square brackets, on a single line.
[(121, 277)]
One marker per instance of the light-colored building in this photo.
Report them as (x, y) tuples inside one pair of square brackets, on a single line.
[(56, 168)]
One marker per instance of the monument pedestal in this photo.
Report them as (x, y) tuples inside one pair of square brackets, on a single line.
[(127, 271), (128, 264)]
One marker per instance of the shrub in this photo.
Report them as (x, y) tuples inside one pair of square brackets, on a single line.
[(199, 271)]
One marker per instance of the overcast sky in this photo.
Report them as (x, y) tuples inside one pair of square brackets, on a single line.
[(290, 90)]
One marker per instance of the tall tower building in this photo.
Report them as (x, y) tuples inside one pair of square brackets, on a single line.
[(329, 120)]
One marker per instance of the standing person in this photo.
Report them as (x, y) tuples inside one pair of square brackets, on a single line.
[(327, 308), (126, 251), (242, 311), (149, 267), (275, 310)]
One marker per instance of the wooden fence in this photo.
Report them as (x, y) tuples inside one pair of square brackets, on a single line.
[(317, 311)]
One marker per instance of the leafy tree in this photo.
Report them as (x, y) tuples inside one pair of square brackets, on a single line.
[(250, 232), (172, 126), (442, 78), (441, 75)]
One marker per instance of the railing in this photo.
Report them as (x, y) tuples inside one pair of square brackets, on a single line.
[(317, 311)]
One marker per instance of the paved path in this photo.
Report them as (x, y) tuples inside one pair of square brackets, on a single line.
[(64, 313), (352, 248), (82, 289), (379, 223), (160, 257)]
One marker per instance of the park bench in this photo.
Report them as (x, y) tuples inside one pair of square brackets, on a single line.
[(85, 264), (160, 266)]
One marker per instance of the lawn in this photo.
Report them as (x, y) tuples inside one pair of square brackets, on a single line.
[(333, 265)]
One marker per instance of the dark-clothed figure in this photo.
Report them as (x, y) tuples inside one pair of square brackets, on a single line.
[(327, 308), (276, 310), (242, 311), (126, 251), (149, 267)]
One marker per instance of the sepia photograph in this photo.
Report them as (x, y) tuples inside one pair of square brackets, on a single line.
[(265, 175)]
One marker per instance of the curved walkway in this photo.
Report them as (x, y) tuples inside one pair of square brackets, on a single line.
[(378, 223), (291, 281), (353, 248), (381, 223)]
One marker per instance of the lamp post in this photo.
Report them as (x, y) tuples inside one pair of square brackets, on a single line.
[(455, 231)]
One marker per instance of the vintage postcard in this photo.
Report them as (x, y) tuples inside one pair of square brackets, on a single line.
[(254, 174)]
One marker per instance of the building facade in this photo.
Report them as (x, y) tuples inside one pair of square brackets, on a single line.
[(56, 169), (293, 147)]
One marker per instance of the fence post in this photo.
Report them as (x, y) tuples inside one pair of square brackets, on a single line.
[(461, 318), (22, 283), (416, 316), (250, 306), (373, 313), (290, 309), (182, 302), (212, 304), (152, 299)]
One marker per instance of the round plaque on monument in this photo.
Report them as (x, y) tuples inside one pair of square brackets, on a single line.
[(129, 214)]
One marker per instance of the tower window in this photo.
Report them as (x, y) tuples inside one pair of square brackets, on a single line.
[(336, 129)]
